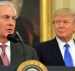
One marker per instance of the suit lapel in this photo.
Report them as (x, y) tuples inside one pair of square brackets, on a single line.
[(16, 54), (57, 52)]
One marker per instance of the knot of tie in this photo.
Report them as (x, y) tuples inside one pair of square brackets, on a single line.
[(3, 46), (66, 45)]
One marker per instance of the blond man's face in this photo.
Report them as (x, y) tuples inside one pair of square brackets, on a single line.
[(64, 26)]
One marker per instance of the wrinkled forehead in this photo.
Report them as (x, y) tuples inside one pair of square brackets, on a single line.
[(6, 6)]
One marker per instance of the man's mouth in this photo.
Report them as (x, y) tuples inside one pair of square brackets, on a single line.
[(10, 30)]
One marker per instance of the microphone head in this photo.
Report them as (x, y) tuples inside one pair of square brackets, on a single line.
[(13, 38)]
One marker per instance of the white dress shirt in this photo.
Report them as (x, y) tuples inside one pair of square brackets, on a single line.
[(7, 50), (71, 49)]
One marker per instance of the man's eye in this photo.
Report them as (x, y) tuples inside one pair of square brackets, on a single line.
[(14, 18), (65, 21), (57, 21), (6, 17)]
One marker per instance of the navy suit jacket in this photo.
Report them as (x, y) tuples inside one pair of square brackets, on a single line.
[(20, 54), (49, 53)]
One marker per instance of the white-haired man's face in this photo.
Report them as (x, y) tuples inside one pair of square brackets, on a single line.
[(7, 21)]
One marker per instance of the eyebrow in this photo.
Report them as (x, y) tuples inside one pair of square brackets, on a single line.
[(10, 16)]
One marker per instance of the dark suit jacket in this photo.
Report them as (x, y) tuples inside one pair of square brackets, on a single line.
[(20, 54), (49, 53)]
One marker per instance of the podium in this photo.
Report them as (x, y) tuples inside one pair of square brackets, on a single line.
[(60, 68), (50, 68), (10, 68)]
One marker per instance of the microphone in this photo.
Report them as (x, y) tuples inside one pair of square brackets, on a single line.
[(19, 38), (15, 37)]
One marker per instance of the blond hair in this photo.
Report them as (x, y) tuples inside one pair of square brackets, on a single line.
[(64, 11)]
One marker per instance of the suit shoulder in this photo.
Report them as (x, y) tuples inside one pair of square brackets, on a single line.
[(27, 47), (46, 44)]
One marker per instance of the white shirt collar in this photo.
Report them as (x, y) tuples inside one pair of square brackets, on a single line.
[(7, 43), (72, 49), (61, 43)]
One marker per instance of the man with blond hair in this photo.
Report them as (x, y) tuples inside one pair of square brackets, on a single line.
[(54, 52)]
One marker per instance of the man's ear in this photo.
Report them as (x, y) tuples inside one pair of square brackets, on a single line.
[(74, 30), (74, 27)]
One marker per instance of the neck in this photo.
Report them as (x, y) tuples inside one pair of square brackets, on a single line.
[(3, 40), (65, 39)]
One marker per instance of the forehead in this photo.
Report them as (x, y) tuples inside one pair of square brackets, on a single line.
[(64, 17), (6, 9)]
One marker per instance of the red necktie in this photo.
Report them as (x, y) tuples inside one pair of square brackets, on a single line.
[(4, 56)]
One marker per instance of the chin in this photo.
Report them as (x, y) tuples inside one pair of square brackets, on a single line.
[(10, 32), (61, 36)]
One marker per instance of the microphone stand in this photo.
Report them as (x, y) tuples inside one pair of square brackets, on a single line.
[(16, 38), (22, 43)]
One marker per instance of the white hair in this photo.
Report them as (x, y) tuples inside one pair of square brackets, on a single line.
[(9, 3)]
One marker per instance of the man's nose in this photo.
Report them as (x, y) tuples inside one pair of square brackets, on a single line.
[(61, 24)]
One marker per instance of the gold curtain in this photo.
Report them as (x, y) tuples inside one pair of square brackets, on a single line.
[(47, 8), (45, 20)]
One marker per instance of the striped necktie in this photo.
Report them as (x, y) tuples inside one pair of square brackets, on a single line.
[(4, 56)]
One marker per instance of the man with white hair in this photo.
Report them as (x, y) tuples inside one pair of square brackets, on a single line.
[(11, 53)]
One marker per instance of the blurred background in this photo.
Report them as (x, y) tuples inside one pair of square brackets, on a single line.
[(35, 18)]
